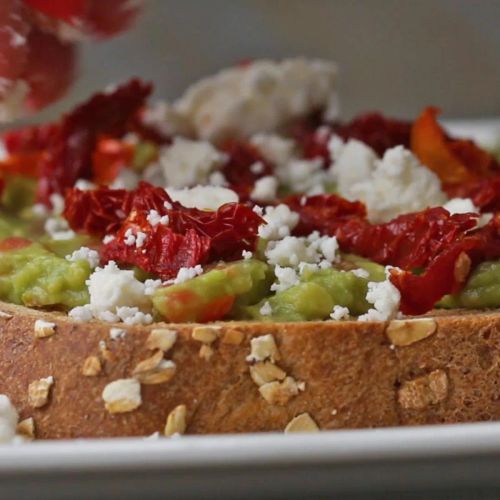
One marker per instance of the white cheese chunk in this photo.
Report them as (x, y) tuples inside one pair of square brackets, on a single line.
[(265, 189), (385, 298), (203, 197), (460, 206), (280, 221), (339, 313), (85, 253), (274, 148)]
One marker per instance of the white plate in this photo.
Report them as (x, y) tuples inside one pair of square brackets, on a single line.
[(462, 458)]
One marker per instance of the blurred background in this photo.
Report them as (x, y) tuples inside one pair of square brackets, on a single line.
[(394, 55)]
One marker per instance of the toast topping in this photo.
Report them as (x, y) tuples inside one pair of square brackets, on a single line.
[(162, 339), (91, 366), (154, 370), (232, 336), (279, 393), (176, 421), (404, 332), (26, 429), (206, 352), (206, 334), (302, 423), (122, 395), (265, 372), (39, 392), (263, 348), (44, 329), (424, 391)]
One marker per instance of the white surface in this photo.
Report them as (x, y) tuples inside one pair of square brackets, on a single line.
[(272, 465)]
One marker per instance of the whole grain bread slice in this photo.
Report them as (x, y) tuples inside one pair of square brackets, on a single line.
[(100, 380)]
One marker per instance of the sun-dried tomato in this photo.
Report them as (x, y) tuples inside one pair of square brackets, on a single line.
[(97, 211), (109, 158), (485, 193), (374, 129), (29, 139), (69, 156), (323, 213), (244, 166), (409, 241), (26, 164), (455, 161)]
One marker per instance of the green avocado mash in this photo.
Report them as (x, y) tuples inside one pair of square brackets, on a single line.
[(35, 277)]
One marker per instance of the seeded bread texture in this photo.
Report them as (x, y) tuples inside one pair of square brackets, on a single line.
[(341, 374)]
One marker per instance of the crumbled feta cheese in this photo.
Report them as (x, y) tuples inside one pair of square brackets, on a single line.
[(126, 179), (385, 298), (140, 238), (340, 312), (57, 202), (162, 117), (258, 97), (111, 287), (85, 185), (258, 210), (188, 163), (290, 251), (151, 285), (391, 186), (107, 316), (329, 247), (266, 309), (108, 239), (361, 273), (287, 277), (274, 148), (40, 211), (265, 189), (133, 316), (187, 273), (58, 229), (257, 168), (85, 253), (81, 313), (280, 222), (129, 237), (246, 254), (305, 176), (117, 333), (154, 218), (8, 420), (203, 197), (460, 206), (217, 179)]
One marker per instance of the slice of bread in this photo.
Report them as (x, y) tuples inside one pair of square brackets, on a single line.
[(342, 374)]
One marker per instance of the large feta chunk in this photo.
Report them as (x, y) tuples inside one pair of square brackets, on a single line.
[(280, 221), (385, 298), (460, 206), (259, 97)]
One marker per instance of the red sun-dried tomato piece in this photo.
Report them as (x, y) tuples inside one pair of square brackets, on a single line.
[(379, 132), (112, 16), (26, 164), (29, 139), (97, 211), (109, 158), (240, 170), (455, 161), (409, 241), (163, 252), (69, 156), (49, 70), (71, 11), (323, 212)]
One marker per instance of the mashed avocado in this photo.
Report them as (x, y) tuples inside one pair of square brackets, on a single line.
[(35, 277)]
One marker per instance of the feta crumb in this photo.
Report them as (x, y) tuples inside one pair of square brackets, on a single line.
[(129, 237), (246, 254), (150, 286), (361, 273), (265, 189), (266, 309), (186, 273), (8, 420), (287, 277), (280, 222), (133, 316), (329, 247), (203, 197), (85, 253), (161, 116), (385, 298), (186, 163), (154, 218), (460, 206), (85, 185), (340, 312), (258, 210), (140, 238), (81, 313), (274, 148), (305, 176), (290, 251), (217, 179), (396, 184), (108, 239), (111, 287), (257, 167), (58, 229), (117, 333)]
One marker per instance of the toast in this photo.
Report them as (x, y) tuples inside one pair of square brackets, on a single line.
[(341, 374)]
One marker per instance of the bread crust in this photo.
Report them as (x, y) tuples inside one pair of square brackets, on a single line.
[(354, 377)]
